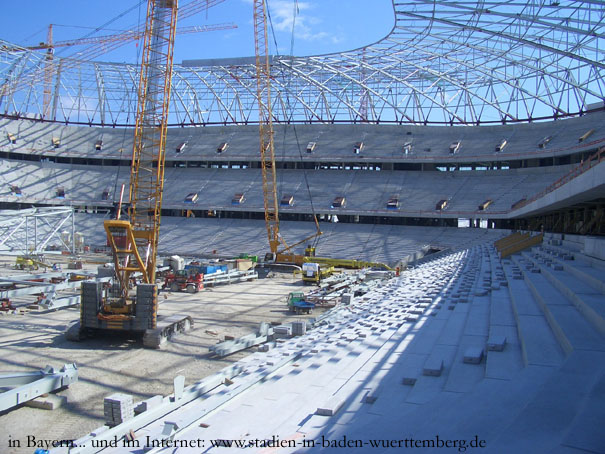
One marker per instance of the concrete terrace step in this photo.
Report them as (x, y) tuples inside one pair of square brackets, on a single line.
[(551, 411), (577, 256), (457, 415), (588, 301), (539, 345), (586, 432), (445, 350), (592, 275), (462, 375), (502, 325), (572, 330)]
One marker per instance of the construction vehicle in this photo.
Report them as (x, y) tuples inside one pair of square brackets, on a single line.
[(130, 304), (313, 273), (31, 262), (281, 254), (184, 281), (346, 263), (267, 146), (297, 304)]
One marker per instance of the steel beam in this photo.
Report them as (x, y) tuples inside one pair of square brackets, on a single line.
[(29, 385)]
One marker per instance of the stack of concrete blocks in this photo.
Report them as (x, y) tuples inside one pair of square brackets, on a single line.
[(347, 299), (118, 408), (90, 301), (282, 331), (148, 404), (299, 328)]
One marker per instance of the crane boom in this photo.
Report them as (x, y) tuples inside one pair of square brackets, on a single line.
[(267, 147), (125, 36), (97, 46), (265, 123)]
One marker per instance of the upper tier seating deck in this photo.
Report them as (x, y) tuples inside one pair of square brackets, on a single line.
[(335, 143)]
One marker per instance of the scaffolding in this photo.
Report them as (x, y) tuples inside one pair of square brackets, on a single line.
[(453, 63), (29, 231)]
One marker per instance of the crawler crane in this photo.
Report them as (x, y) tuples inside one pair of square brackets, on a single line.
[(130, 304), (281, 252), (267, 149)]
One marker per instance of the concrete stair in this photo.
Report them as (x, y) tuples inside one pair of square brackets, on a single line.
[(570, 327), (590, 302)]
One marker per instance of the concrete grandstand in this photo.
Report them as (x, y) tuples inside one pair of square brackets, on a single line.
[(454, 106)]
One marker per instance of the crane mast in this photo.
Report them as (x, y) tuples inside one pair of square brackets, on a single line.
[(134, 241), (267, 147), (265, 122)]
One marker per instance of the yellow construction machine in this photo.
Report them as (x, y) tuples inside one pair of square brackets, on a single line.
[(130, 304)]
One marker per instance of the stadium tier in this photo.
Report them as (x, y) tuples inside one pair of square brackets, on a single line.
[(465, 150), (333, 143)]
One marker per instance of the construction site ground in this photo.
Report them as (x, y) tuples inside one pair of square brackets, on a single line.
[(31, 339)]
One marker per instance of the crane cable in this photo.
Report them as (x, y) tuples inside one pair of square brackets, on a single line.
[(288, 78), (133, 90)]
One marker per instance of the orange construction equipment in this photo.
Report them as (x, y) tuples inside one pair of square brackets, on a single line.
[(182, 281)]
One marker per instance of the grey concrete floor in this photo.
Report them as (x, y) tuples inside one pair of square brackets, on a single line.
[(30, 340)]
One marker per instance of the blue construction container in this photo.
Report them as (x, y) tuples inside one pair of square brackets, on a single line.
[(207, 269)]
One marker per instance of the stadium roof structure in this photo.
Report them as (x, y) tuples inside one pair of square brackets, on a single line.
[(444, 62)]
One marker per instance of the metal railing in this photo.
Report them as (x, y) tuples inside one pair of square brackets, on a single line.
[(521, 245), (578, 170), (505, 242)]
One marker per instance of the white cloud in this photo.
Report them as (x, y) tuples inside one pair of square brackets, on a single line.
[(287, 13)]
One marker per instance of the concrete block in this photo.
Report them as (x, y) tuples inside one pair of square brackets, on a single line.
[(282, 331), (48, 402), (496, 343), (433, 367), (409, 380), (331, 407), (473, 355), (148, 404), (347, 299), (370, 399)]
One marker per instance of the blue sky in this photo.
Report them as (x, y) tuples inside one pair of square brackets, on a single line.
[(322, 26)]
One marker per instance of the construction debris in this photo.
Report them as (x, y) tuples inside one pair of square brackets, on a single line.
[(47, 402), (264, 334)]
